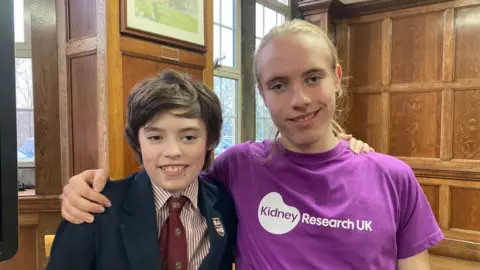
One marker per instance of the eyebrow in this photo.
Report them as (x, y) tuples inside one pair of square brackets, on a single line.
[(304, 74), (157, 129)]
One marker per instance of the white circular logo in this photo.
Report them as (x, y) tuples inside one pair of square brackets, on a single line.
[(275, 216)]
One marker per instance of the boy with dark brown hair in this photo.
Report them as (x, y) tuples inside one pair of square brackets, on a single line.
[(164, 216)]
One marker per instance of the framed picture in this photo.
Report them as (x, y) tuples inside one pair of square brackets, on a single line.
[(177, 22)]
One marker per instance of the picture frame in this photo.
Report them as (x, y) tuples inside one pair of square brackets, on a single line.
[(179, 23)]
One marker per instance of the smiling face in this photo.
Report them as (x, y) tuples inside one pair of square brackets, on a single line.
[(173, 150), (298, 83)]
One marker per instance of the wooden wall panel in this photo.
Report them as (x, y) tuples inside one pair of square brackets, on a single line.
[(430, 105), (366, 51), (364, 120), (415, 124), (465, 208), (84, 113), (433, 196), (466, 138), (417, 48), (208, 71), (45, 97), (47, 225), (82, 19), (131, 75), (467, 42)]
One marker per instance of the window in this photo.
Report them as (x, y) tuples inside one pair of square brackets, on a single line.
[(226, 90), (227, 69), (24, 85), (268, 14)]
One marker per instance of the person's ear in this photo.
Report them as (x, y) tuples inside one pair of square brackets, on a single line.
[(338, 73), (211, 147)]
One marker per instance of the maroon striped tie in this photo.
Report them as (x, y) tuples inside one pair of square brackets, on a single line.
[(173, 240)]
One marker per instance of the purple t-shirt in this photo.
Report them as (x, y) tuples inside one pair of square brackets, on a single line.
[(333, 210)]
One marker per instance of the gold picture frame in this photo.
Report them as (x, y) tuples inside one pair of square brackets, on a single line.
[(180, 23)]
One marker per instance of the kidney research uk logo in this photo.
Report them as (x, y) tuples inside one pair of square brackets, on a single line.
[(276, 217)]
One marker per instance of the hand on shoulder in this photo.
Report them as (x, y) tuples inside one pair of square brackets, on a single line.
[(81, 196), (356, 145)]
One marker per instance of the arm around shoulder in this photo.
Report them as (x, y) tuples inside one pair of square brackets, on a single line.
[(73, 247)]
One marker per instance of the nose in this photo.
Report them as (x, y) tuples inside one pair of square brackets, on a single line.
[(300, 97), (173, 150)]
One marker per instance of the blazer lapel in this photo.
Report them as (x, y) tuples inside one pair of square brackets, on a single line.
[(139, 225), (217, 233)]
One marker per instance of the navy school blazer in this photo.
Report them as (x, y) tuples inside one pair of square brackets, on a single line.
[(125, 235)]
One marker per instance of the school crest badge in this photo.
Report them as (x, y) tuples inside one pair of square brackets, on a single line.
[(218, 226)]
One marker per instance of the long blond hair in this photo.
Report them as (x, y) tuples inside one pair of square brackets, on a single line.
[(301, 26)]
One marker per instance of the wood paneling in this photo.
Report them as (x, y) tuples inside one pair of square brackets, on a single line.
[(450, 247), (247, 105), (131, 75), (445, 263), (208, 72), (444, 207), (366, 51), (64, 94), (424, 9), (466, 143), (467, 42), (114, 89), (80, 47), (417, 48), (102, 87), (47, 224), (420, 86), (361, 8), (38, 203), (364, 120), (432, 194), (415, 124), (84, 113), (82, 21), (446, 132), (156, 52), (418, 70), (46, 97), (465, 208), (448, 48)]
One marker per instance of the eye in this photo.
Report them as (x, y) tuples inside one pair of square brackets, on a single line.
[(154, 138), (314, 79), (189, 138), (278, 86)]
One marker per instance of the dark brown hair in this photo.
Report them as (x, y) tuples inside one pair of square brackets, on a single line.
[(172, 90)]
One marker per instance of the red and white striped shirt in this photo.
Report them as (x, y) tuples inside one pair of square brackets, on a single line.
[(193, 221)]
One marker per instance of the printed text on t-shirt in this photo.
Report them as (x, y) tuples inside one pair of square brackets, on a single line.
[(279, 218)]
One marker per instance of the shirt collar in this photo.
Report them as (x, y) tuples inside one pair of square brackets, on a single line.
[(161, 196)]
